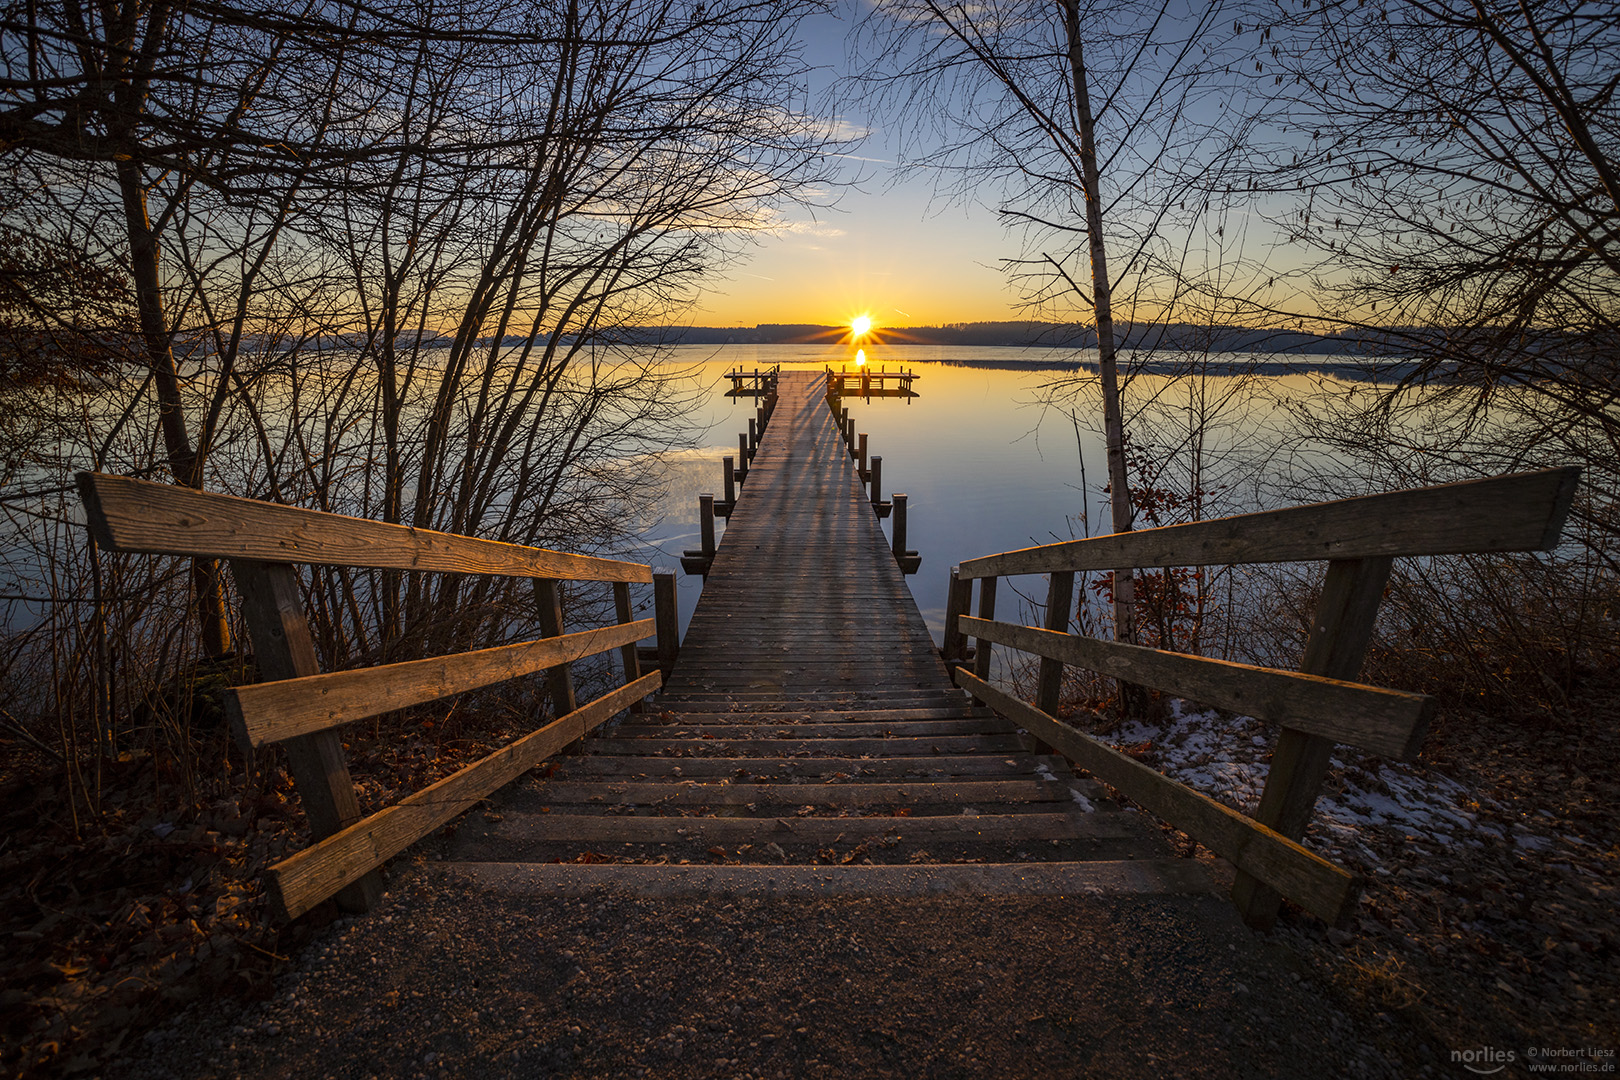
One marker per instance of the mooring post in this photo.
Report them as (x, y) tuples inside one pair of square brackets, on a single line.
[(742, 456), (666, 617), (843, 425), (877, 479), (706, 522), (753, 437), (760, 414), (899, 544), (860, 455), (728, 468)]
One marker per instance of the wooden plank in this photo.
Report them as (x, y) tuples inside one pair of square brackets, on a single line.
[(1517, 512), (1388, 722), (1318, 886), (283, 649), (300, 882), (275, 711), (1341, 630), (126, 514)]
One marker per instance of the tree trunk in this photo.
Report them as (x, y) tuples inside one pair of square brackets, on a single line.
[(185, 464), (1119, 488)]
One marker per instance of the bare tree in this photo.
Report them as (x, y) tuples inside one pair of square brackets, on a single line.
[(1081, 116)]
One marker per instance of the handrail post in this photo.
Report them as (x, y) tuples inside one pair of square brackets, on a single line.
[(666, 617), (627, 652), (1341, 630), (958, 597), (1049, 690), (987, 610), (559, 680), (283, 649)]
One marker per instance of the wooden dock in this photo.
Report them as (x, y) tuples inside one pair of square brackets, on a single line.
[(810, 724), (804, 597)]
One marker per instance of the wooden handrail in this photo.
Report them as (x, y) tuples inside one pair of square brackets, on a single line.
[(301, 881), (1388, 722), (299, 707), (272, 712), (1517, 512), (126, 514), (1318, 886), (1317, 708)]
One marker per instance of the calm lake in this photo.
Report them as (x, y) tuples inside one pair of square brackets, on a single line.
[(986, 465)]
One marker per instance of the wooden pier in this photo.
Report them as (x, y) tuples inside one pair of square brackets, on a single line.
[(809, 722), (865, 381)]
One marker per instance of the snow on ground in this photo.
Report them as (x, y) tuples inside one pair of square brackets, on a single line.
[(1224, 757)]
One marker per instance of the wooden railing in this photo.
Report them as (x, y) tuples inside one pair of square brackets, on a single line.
[(300, 708), (1316, 707)]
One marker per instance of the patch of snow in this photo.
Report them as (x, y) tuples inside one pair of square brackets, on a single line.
[(1085, 803)]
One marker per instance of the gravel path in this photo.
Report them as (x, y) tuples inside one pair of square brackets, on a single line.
[(446, 980)]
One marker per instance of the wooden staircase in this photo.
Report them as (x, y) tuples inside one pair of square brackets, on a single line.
[(809, 737)]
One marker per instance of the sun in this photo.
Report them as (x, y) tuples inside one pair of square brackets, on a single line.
[(860, 326)]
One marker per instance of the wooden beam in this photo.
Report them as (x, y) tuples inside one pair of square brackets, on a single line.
[(300, 882), (1341, 630), (559, 680), (1306, 878), (667, 617), (1388, 722), (283, 649), (1059, 600), (163, 519), (275, 711), (987, 612), (628, 657), (1518, 512)]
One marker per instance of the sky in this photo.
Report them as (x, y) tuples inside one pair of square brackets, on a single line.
[(886, 246)]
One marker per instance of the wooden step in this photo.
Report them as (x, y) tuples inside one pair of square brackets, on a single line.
[(920, 746), (622, 767), (657, 715), (1102, 878), (964, 793), (787, 729)]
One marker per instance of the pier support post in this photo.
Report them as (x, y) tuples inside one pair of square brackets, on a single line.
[(742, 457), (728, 480), (860, 456), (753, 436), (706, 523), (666, 617), (877, 479), (899, 524)]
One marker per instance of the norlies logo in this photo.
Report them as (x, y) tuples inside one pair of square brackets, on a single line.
[(1484, 1061)]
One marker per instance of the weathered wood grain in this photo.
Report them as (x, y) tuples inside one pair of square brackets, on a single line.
[(1318, 886), (300, 882), (273, 609), (126, 514), (275, 711), (1388, 722), (1518, 512)]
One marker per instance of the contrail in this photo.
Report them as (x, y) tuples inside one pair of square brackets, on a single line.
[(907, 314)]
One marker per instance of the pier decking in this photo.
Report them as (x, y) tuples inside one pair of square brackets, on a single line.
[(804, 599), (810, 721)]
